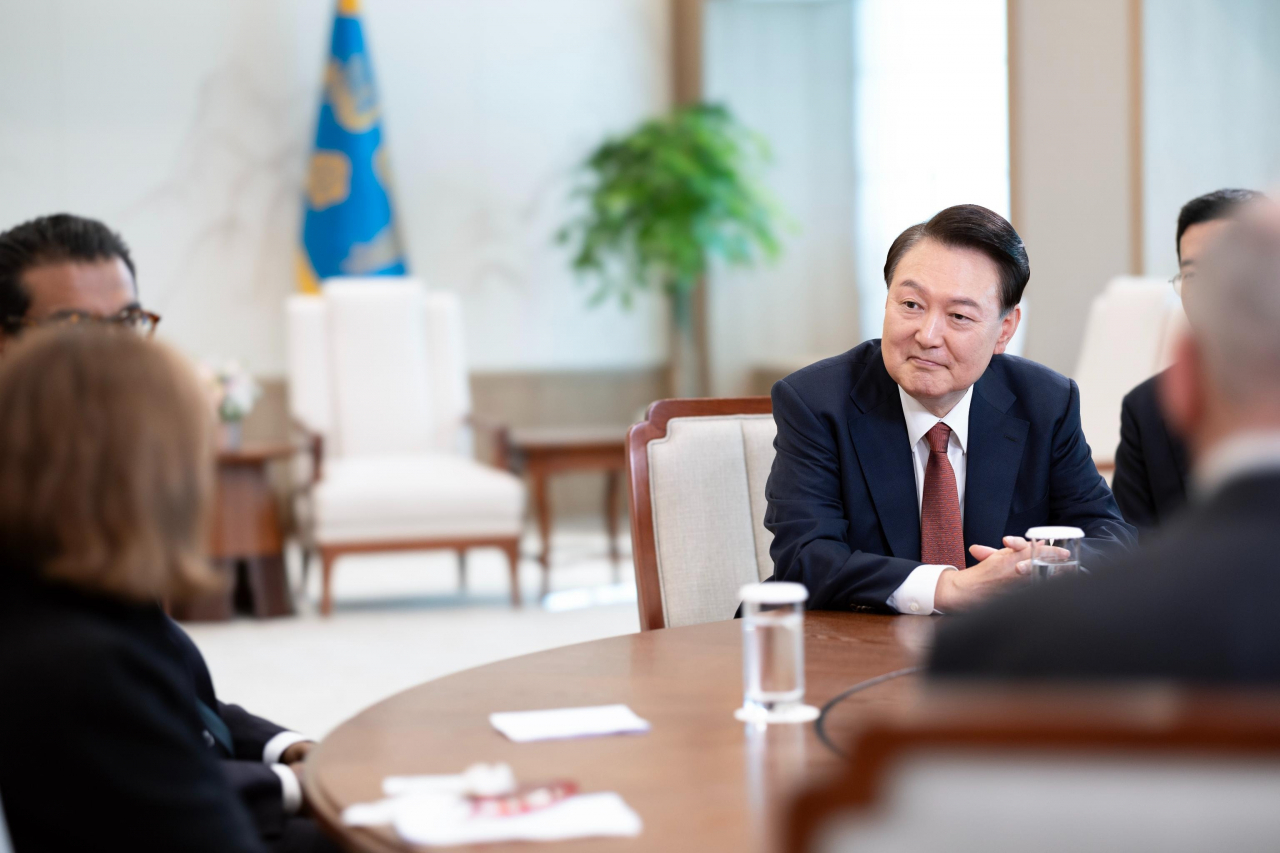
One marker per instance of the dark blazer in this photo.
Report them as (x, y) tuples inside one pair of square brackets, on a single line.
[(99, 743), (1196, 603), (842, 493), (256, 783), (1150, 481)]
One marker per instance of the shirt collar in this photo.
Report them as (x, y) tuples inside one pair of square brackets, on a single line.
[(920, 420), (1234, 457)]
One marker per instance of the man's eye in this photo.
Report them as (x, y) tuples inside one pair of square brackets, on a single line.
[(961, 317), (910, 304)]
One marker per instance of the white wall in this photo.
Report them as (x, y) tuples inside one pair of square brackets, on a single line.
[(186, 126), (785, 68), (1211, 108), (1070, 128), (932, 122)]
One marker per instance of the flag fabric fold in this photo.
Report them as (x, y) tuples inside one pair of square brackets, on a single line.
[(349, 228)]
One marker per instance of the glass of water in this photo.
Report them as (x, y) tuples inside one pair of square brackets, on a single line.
[(772, 649), (1054, 551)]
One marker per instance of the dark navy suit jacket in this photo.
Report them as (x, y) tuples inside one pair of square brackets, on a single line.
[(1151, 475), (842, 493)]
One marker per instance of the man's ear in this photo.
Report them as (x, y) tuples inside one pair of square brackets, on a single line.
[(1008, 325), (1181, 388)]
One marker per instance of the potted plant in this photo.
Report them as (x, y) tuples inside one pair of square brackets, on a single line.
[(661, 204), (233, 392)]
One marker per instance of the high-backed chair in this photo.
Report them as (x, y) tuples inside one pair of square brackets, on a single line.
[(1060, 772), (377, 372), (1127, 338), (697, 474)]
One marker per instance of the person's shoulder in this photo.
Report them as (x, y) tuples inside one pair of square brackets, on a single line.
[(836, 374), (66, 637), (1144, 395), (1041, 388)]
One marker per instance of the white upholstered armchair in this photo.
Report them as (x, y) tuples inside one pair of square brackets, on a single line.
[(377, 377)]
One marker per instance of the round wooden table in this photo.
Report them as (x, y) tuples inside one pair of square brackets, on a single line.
[(699, 779)]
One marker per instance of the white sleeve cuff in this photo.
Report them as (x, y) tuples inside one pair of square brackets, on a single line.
[(277, 745), (290, 788), (915, 596)]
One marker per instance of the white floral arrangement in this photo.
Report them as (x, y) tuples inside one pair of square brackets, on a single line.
[(232, 390)]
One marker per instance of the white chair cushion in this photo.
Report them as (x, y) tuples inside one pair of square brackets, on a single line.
[(1122, 346), (310, 394), (446, 361), (707, 481), (425, 496), (378, 356)]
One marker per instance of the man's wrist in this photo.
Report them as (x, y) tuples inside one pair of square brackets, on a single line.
[(949, 596), (916, 596), (273, 752)]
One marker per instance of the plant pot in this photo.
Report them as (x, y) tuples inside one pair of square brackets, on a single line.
[(689, 368)]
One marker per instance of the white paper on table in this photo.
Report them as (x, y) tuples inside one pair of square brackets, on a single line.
[(526, 726), (582, 816)]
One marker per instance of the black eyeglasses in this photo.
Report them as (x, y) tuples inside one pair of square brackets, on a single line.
[(136, 320)]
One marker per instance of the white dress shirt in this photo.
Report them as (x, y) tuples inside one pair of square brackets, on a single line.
[(1245, 453), (915, 595), (290, 786)]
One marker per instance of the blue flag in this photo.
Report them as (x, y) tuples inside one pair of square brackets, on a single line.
[(349, 228)]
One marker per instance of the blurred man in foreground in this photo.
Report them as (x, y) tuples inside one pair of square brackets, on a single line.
[(1150, 481), (1198, 602), (66, 269)]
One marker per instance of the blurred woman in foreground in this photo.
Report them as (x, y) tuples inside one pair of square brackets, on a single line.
[(105, 482)]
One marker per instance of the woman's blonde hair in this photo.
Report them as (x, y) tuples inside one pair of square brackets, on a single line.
[(106, 464)]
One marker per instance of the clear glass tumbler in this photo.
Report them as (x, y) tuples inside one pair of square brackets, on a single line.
[(772, 648), (1054, 551)]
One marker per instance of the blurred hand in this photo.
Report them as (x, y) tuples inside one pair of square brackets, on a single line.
[(997, 569), (297, 753), (295, 758)]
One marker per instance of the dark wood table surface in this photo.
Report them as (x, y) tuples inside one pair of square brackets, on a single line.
[(699, 780)]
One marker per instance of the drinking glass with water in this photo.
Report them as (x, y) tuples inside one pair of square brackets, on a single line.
[(773, 653), (1054, 551)]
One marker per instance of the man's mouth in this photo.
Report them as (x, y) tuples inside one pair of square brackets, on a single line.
[(926, 363)]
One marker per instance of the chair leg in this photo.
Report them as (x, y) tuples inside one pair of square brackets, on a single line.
[(462, 569), (611, 518), (327, 559), (512, 549), (306, 566)]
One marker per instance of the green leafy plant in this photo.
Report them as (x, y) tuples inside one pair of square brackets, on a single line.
[(665, 200)]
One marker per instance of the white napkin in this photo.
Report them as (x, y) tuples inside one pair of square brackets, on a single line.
[(583, 816), (526, 726)]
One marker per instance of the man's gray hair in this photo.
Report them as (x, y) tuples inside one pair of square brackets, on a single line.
[(1236, 306)]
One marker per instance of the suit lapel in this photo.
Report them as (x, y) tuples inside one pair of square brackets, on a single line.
[(996, 441), (879, 434)]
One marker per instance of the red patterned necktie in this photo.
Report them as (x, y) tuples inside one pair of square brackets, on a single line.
[(941, 532)]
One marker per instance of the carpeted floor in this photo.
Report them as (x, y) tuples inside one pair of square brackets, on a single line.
[(400, 620)]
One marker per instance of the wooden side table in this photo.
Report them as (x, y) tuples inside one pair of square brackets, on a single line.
[(246, 530), (540, 452)]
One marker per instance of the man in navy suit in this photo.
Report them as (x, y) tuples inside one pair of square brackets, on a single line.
[(1152, 468), (909, 468)]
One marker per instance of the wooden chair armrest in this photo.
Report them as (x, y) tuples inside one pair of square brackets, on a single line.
[(312, 445), (499, 435)]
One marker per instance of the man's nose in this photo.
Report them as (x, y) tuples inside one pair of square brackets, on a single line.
[(929, 333)]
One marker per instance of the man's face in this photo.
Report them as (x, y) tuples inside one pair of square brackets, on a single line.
[(99, 288), (942, 322), (1195, 241)]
